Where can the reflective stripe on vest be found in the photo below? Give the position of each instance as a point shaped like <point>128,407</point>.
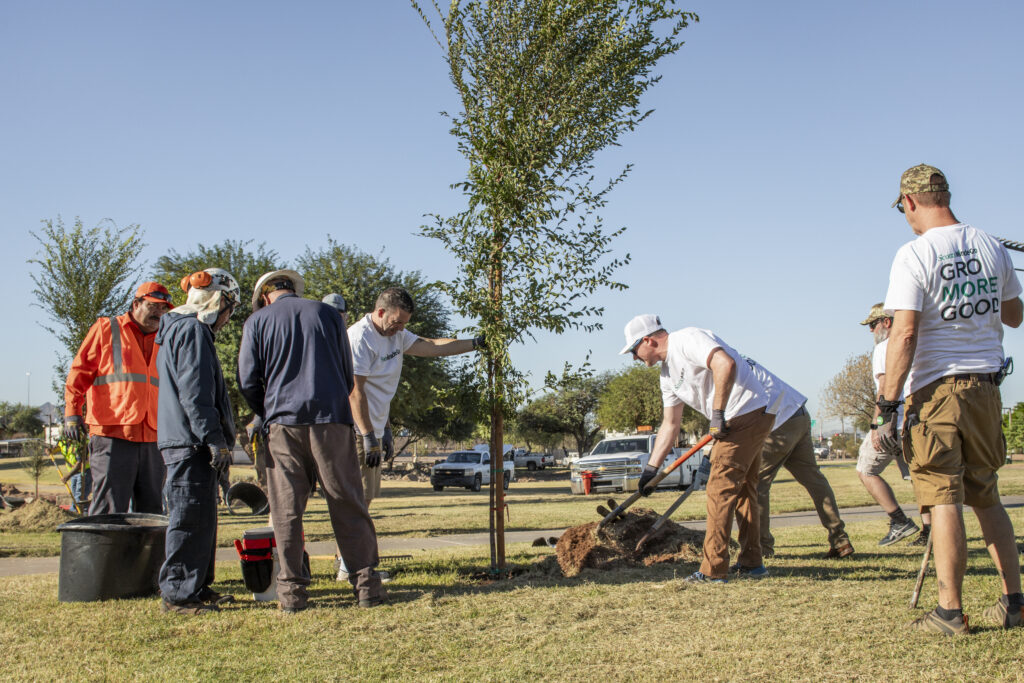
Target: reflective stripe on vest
<point>119,375</point>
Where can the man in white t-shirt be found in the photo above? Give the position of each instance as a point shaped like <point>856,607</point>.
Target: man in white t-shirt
<point>379,340</point>
<point>952,289</point>
<point>872,459</point>
<point>701,370</point>
<point>789,445</point>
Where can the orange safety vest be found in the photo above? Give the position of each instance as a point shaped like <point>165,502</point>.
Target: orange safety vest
<point>125,389</point>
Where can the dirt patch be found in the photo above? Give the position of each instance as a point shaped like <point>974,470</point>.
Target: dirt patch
<point>9,489</point>
<point>39,515</point>
<point>614,546</point>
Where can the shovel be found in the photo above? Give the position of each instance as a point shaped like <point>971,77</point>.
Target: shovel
<point>694,485</point>
<point>653,483</point>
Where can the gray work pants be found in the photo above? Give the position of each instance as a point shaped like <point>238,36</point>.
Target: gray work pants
<point>298,453</point>
<point>125,474</point>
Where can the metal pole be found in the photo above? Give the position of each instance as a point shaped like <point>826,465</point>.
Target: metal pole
<point>28,388</point>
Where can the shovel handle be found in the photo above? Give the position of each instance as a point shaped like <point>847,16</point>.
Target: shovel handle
<point>920,575</point>
<point>657,480</point>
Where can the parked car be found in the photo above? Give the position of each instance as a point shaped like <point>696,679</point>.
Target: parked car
<point>471,469</point>
<point>616,464</point>
<point>821,452</point>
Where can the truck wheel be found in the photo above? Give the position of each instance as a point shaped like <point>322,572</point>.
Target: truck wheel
<point>531,466</point>
<point>438,488</point>
<point>508,480</point>
<point>476,483</point>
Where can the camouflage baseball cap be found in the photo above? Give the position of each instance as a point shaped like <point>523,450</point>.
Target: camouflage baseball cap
<point>877,311</point>
<point>918,179</point>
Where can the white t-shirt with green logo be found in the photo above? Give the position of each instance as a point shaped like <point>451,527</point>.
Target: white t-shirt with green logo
<point>379,360</point>
<point>686,378</point>
<point>956,276</point>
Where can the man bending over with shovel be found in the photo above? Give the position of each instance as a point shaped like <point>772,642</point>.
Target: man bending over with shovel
<point>701,370</point>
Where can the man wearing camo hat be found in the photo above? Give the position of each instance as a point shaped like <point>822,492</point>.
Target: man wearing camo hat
<point>952,289</point>
<point>872,458</point>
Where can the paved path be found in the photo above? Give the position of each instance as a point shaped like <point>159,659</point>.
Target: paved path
<point>15,566</point>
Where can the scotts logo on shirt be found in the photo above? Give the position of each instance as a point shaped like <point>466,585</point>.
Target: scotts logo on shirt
<point>390,355</point>
<point>966,289</point>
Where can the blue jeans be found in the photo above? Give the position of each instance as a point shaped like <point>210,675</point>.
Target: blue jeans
<point>81,486</point>
<point>191,542</point>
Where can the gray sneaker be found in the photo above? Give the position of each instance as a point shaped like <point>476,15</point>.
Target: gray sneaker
<point>897,532</point>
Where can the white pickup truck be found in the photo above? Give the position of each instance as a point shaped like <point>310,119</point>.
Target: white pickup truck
<point>533,461</point>
<point>616,464</point>
<point>470,469</point>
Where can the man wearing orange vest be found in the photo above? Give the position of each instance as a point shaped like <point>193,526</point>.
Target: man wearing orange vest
<point>114,374</point>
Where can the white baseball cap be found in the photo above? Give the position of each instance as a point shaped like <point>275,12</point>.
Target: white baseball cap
<point>336,300</point>
<point>638,328</point>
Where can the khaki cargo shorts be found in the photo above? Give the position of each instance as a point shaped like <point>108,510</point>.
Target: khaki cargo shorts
<point>957,445</point>
<point>370,475</point>
<point>870,461</point>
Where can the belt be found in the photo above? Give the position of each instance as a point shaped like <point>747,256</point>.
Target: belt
<point>971,376</point>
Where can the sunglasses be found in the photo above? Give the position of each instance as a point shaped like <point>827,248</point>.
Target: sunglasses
<point>635,346</point>
<point>158,295</point>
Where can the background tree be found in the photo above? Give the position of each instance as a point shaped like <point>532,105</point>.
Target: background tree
<point>536,424</point>
<point>81,275</point>
<point>245,263</point>
<point>34,461</point>
<point>18,418</point>
<point>1013,429</point>
<point>436,398</point>
<point>574,400</point>
<point>632,398</point>
<point>851,393</point>
<point>544,85</point>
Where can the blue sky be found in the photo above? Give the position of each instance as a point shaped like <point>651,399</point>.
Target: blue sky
<point>758,205</point>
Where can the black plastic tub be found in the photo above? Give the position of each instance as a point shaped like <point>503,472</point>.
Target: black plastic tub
<point>106,557</point>
<point>244,495</point>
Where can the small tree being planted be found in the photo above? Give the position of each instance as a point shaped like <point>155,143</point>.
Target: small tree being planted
<point>543,85</point>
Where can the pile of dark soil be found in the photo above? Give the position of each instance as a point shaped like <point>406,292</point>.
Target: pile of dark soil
<point>39,515</point>
<point>614,545</point>
<point>9,490</point>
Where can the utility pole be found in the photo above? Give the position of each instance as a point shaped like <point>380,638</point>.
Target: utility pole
<point>28,389</point>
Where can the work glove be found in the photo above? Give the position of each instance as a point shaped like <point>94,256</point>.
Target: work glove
<point>479,341</point>
<point>371,447</point>
<point>719,427</point>
<point>72,429</point>
<point>220,456</point>
<point>888,435</point>
<point>649,473</point>
<point>255,427</point>
<point>387,443</point>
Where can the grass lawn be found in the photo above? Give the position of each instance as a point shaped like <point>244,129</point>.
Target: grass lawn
<point>813,619</point>
<point>414,509</point>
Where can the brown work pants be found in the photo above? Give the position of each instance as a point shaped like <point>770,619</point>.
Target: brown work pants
<point>298,453</point>
<point>790,446</point>
<point>732,489</point>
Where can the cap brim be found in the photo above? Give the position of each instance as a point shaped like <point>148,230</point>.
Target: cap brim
<point>628,347</point>
<point>158,301</point>
<point>893,205</point>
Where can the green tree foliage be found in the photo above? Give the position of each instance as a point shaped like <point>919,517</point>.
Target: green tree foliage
<point>544,85</point>
<point>536,424</point>
<point>632,398</point>
<point>245,263</point>
<point>851,393</point>
<point>437,397</point>
<point>1013,429</point>
<point>574,400</point>
<point>80,275</point>
<point>18,418</point>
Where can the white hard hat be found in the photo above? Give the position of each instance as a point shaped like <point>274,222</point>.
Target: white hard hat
<point>223,281</point>
<point>297,283</point>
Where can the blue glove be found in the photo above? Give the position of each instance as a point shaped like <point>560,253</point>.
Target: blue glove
<point>649,473</point>
<point>479,341</point>
<point>220,456</point>
<point>719,427</point>
<point>703,474</point>
<point>255,427</point>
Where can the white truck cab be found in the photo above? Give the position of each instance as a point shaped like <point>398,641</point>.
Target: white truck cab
<point>471,469</point>
<point>615,464</point>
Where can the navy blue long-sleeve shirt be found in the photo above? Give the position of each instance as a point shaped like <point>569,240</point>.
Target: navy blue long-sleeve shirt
<point>295,363</point>
<point>194,408</point>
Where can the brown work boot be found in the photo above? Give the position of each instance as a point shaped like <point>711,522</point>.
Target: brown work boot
<point>189,608</point>
<point>1001,614</point>
<point>933,623</point>
<point>839,552</point>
